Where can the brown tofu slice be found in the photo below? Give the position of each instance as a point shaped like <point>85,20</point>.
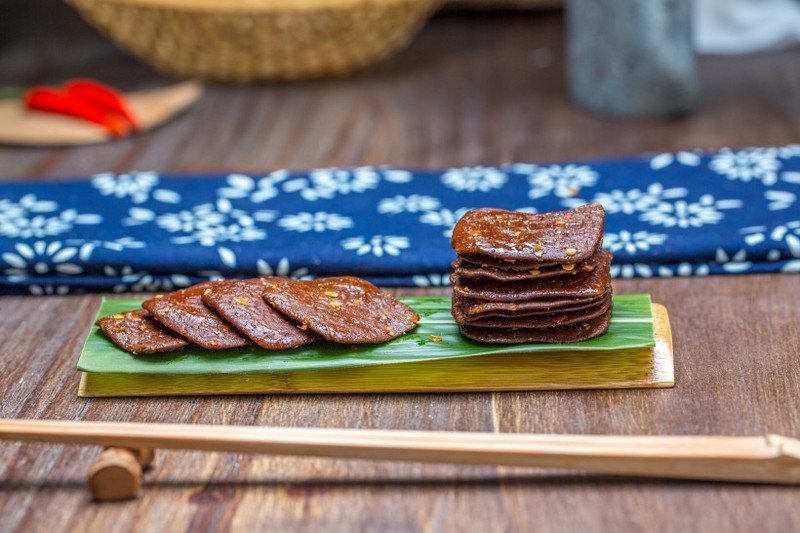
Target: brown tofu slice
<point>585,285</point>
<point>570,236</point>
<point>475,307</point>
<point>541,321</point>
<point>185,313</point>
<point>344,309</point>
<point>515,266</point>
<point>137,332</point>
<point>240,302</point>
<point>467,270</point>
<point>575,333</point>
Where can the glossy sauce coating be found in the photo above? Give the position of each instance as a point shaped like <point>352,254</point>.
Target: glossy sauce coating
<point>523,278</point>
<point>185,313</point>
<point>240,302</point>
<point>583,285</point>
<point>574,333</point>
<point>541,321</point>
<point>560,237</point>
<point>343,309</point>
<point>137,332</point>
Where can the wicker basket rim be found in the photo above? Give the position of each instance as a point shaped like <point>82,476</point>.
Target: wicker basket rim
<point>251,6</point>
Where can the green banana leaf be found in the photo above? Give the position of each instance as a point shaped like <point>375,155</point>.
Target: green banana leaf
<point>631,327</point>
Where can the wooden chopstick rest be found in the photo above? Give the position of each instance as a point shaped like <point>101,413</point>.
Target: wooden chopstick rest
<point>117,473</point>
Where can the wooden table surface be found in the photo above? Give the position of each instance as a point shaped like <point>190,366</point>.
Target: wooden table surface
<point>471,89</point>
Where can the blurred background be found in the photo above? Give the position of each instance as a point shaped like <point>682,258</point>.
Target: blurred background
<point>472,82</point>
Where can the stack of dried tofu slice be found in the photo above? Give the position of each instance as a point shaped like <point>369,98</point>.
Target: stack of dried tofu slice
<point>522,278</point>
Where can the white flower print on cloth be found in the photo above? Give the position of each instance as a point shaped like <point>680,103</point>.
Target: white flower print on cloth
<point>632,242</point>
<point>210,224</point>
<point>394,175</point>
<point>431,280</point>
<point>138,186</point>
<point>791,177</point>
<point>282,269</point>
<point>474,179</point>
<point>779,199</point>
<point>31,217</point>
<point>413,203</point>
<point>683,214</point>
<point>689,159</point>
<point>131,281</point>
<point>563,181</point>
<point>683,270</point>
<point>326,183</point>
<point>86,248</point>
<point>789,151</point>
<point>631,270</point>
<point>736,263</point>
<point>257,191</point>
<point>760,164</point>
<point>377,245</point>
<point>787,234</point>
<point>633,200</point>
<point>318,222</point>
<point>40,258</point>
<point>445,218</point>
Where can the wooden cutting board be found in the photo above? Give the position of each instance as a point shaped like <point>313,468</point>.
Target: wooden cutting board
<point>23,127</point>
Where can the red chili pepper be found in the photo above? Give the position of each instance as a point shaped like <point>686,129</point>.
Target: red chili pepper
<point>102,96</point>
<point>53,101</point>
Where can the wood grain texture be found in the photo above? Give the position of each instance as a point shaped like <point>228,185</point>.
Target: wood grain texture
<point>471,89</point>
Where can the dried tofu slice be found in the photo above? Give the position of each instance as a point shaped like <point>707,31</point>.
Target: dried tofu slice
<point>586,285</point>
<point>185,313</point>
<point>138,332</point>
<point>574,333</point>
<point>343,309</point>
<point>240,302</point>
<point>570,236</point>
<point>475,307</point>
<point>541,321</point>
<point>466,269</point>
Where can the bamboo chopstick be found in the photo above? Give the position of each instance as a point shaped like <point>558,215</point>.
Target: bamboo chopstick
<point>764,459</point>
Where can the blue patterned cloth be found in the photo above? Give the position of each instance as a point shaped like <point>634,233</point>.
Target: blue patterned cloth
<point>733,211</point>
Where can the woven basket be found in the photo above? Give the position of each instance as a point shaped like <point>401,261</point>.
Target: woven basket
<point>250,40</point>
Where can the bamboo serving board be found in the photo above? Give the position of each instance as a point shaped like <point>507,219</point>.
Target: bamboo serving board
<point>643,367</point>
